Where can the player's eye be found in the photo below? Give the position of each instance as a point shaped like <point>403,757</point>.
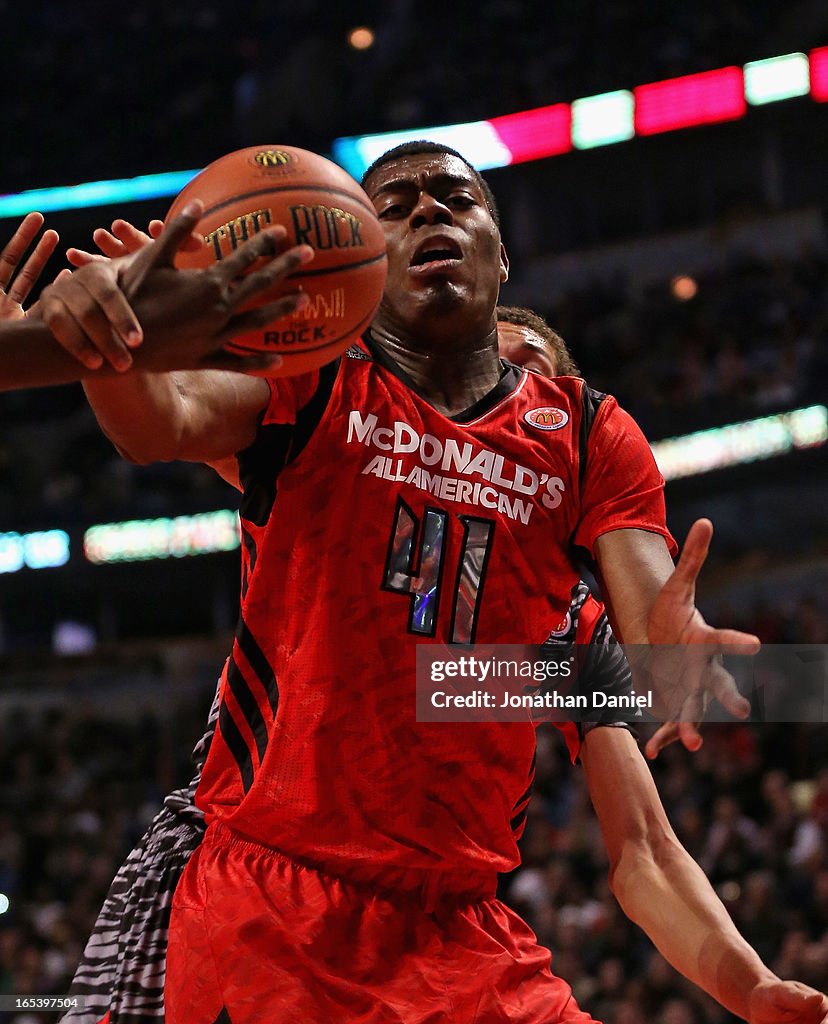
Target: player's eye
<point>391,211</point>
<point>460,200</point>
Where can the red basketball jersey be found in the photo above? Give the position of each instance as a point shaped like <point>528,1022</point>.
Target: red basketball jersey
<point>372,523</point>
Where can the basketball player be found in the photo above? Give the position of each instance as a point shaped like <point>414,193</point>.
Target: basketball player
<point>121,976</point>
<point>526,339</point>
<point>349,865</point>
<point>181,318</point>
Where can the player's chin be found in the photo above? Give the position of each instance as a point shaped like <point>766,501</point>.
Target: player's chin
<point>443,287</point>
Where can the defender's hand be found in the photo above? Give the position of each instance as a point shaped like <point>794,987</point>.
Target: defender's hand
<point>694,674</point>
<point>17,281</point>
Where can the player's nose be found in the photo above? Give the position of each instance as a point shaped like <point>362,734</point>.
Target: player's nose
<point>429,210</point>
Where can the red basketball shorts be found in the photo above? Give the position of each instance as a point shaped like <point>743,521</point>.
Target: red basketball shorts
<point>256,938</point>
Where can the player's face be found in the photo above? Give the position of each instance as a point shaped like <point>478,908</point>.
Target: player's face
<point>521,346</point>
<point>444,248</point>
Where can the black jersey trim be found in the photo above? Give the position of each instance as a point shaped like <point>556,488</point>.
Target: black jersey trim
<point>223,1017</point>
<point>590,404</point>
<point>309,415</point>
<point>519,819</point>
<point>248,705</point>
<point>276,446</point>
<point>252,554</point>
<point>591,401</point>
<point>259,469</point>
<point>525,794</point>
<point>510,377</point>
<point>258,662</point>
<point>236,745</point>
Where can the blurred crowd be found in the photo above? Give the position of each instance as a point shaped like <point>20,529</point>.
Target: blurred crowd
<point>78,786</point>
<point>176,85</point>
<point>736,343</point>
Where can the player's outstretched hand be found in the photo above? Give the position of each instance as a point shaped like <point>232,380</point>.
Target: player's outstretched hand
<point>17,281</point>
<point>188,315</point>
<point>787,1002</point>
<point>79,327</point>
<point>108,305</point>
<point>692,672</point>
<point>122,239</point>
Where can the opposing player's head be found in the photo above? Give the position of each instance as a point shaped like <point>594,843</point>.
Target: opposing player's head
<point>526,339</point>
<point>446,261</point>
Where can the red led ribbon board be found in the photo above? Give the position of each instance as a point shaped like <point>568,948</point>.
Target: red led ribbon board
<point>533,134</point>
<point>706,98</point>
<point>819,74</point>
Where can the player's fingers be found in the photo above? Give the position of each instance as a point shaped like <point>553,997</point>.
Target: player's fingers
<point>734,641</point>
<point>109,245</point>
<point>163,249</point>
<point>801,1000</point>
<point>35,311</point>
<point>690,736</point>
<point>79,296</point>
<point>694,552</point>
<point>14,250</point>
<point>722,686</point>
<point>68,332</point>
<point>191,244</point>
<point>266,277</point>
<point>94,321</point>
<point>663,736</point>
<point>253,319</point>
<point>80,257</point>
<point>129,236</point>
<point>108,299</point>
<point>31,270</point>
<point>177,232</point>
<point>266,244</point>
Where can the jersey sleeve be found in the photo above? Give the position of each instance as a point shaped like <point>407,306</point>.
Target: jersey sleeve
<point>293,412</point>
<point>622,488</point>
<point>288,395</point>
<point>602,667</point>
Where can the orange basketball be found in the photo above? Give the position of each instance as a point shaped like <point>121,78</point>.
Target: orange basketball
<point>319,204</point>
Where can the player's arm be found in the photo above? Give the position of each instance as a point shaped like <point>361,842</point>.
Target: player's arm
<point>196,415</point>
<point>189,415</point>
<point>662,889</point>
<point>186,316</point>
<point>648,599</point>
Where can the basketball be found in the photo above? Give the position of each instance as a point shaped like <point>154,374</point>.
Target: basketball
<point>320,205</point>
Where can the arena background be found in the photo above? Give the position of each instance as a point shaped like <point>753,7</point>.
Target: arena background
<point>688,270</point>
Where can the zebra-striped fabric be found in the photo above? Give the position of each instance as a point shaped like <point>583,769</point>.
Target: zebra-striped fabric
<point>123,967</point>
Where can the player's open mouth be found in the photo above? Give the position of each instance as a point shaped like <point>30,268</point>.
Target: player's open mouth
<point>436,254</point>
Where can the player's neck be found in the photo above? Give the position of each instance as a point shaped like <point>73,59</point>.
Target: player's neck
<point>452,376</point>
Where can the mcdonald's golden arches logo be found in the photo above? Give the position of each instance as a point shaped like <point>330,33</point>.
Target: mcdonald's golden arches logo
<point>547,418</point>
<point>272,158</point>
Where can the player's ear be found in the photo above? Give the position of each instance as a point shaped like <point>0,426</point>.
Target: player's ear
<point>504,264</point>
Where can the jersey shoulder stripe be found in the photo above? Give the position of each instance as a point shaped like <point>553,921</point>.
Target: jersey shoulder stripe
<point>276,446</point>
<point>591,401</point>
